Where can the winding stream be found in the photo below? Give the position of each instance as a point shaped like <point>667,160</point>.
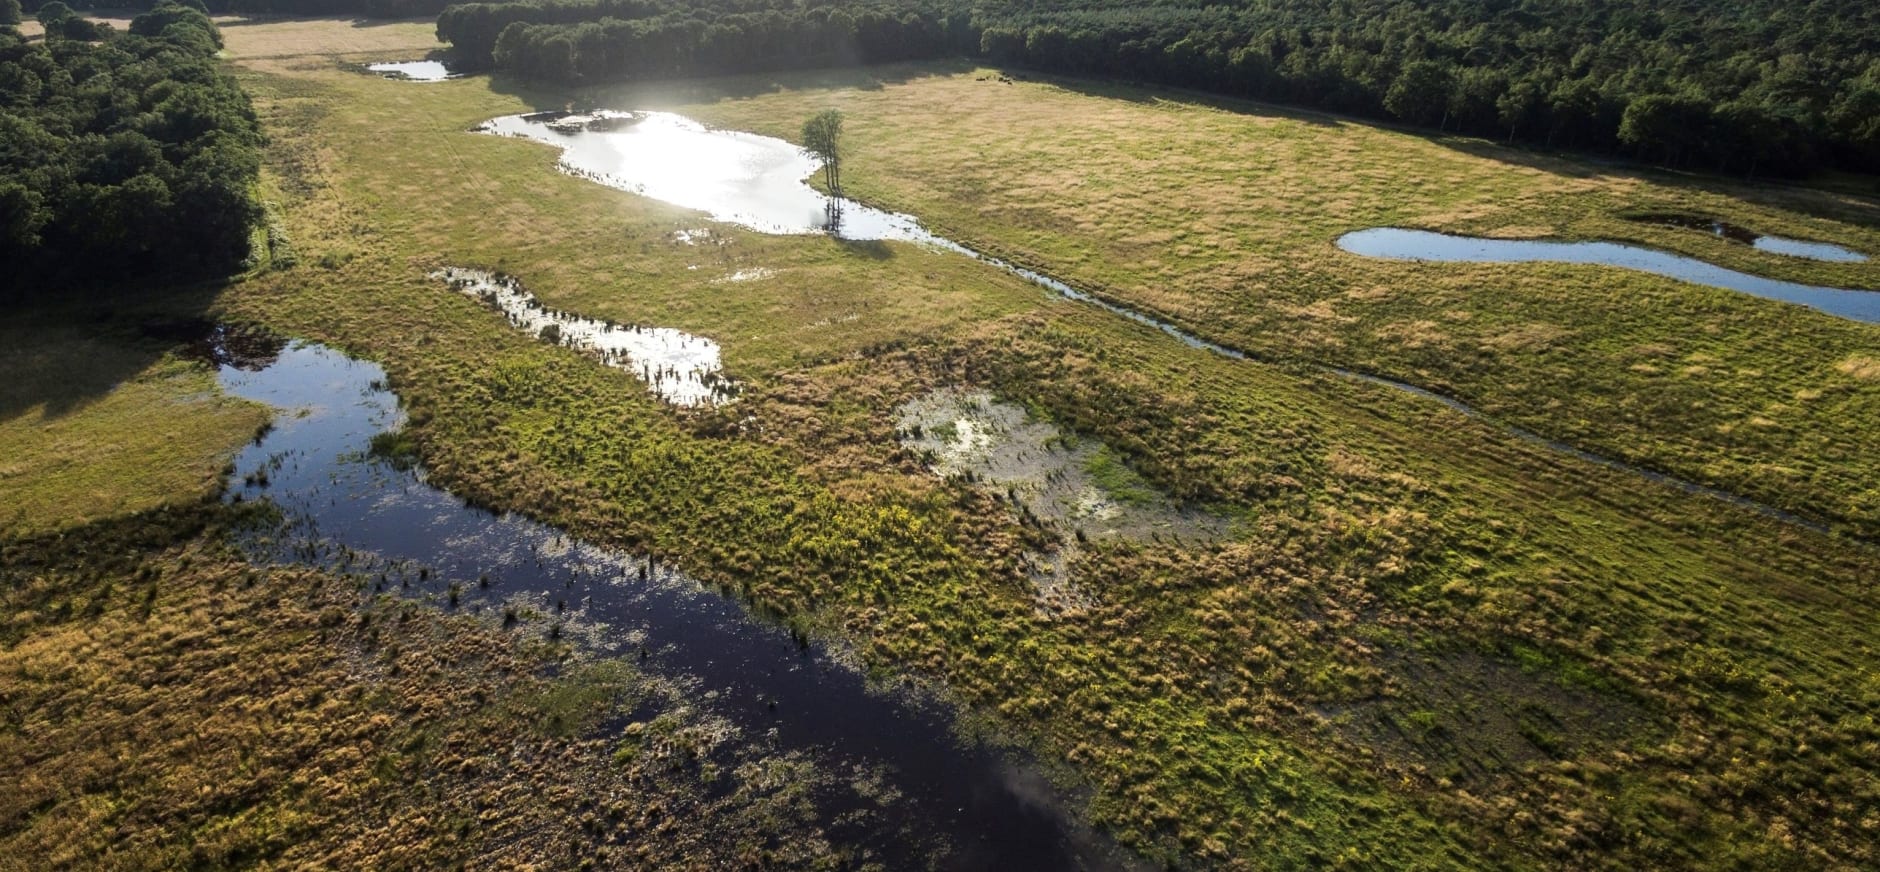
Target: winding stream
<point>1401,244</point>
<point>961,806</point>
<point>1824,251</point>
<point>758,182</point>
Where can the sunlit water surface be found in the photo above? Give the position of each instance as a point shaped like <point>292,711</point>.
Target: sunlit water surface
<point>414,71</point>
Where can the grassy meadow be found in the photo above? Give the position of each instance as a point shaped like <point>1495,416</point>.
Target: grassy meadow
<point>99,418</point>
<point>1222,217</point>
<point>1426,643</point>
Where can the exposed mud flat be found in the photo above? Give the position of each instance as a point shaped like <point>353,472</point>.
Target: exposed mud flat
<point>1057,477</point>
<point>680,368</point>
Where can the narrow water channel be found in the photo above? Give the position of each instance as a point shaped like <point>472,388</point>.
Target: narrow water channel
<point>1400,244</point>
<point>963,806</point>
<point>757,182</point>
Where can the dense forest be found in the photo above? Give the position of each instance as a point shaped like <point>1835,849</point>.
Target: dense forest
<point>122,154</point>
<point>1755,86</point>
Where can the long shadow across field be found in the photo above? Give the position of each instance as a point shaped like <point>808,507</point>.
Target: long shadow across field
<point>59,356</point>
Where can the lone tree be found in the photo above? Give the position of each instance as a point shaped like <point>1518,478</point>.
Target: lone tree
<point>52,13</point>
<point>821,135</point>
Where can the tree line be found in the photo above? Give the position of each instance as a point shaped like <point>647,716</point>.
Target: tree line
<point>1751,86</point>
<point>123,153</point>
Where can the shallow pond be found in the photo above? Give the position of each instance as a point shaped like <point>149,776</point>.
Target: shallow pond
<point>679,367</point>
<point>1401,244</point>
<point>738,178</point>
<point>948,804</point>
<point>414,71</point>
<point>1078,484</point>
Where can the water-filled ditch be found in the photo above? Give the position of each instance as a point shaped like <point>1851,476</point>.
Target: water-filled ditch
<point>953,804</point>
<point>1398,243</point>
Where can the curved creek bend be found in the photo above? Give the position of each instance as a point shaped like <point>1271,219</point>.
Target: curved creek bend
<point>757,182</point>
<point>904,788</point>
<point>1400,244</point>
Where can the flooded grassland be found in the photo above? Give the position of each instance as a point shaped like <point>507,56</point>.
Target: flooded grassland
<point>1287,691</point>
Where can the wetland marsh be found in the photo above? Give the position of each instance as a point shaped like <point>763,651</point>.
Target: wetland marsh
<point>920,798</point>
<point>1147,529</point>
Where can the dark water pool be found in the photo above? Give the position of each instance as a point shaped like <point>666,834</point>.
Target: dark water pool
<point>963,806</point>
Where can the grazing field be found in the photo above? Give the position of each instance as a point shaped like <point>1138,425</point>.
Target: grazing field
<point>1421,641</point>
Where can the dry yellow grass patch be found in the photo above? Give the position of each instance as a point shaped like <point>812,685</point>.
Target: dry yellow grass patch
<point>1527,337</point>
<point>257,38</point>
<point>1860,366</point>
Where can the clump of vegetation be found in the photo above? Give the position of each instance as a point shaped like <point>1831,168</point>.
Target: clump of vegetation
<point>135,154</point>
<point>396,447</point>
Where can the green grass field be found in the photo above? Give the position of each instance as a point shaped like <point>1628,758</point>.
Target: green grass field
<point>1429,644</point>
<point>1221,216</point>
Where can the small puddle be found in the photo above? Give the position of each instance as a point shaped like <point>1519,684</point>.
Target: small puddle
<point>1057,476</point>
<point>680,368</point>
<point>757,182</point>
<point>1772,244</point>
<point>1401,244</point>
<point>920,797</point>
<point>414,71</point>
